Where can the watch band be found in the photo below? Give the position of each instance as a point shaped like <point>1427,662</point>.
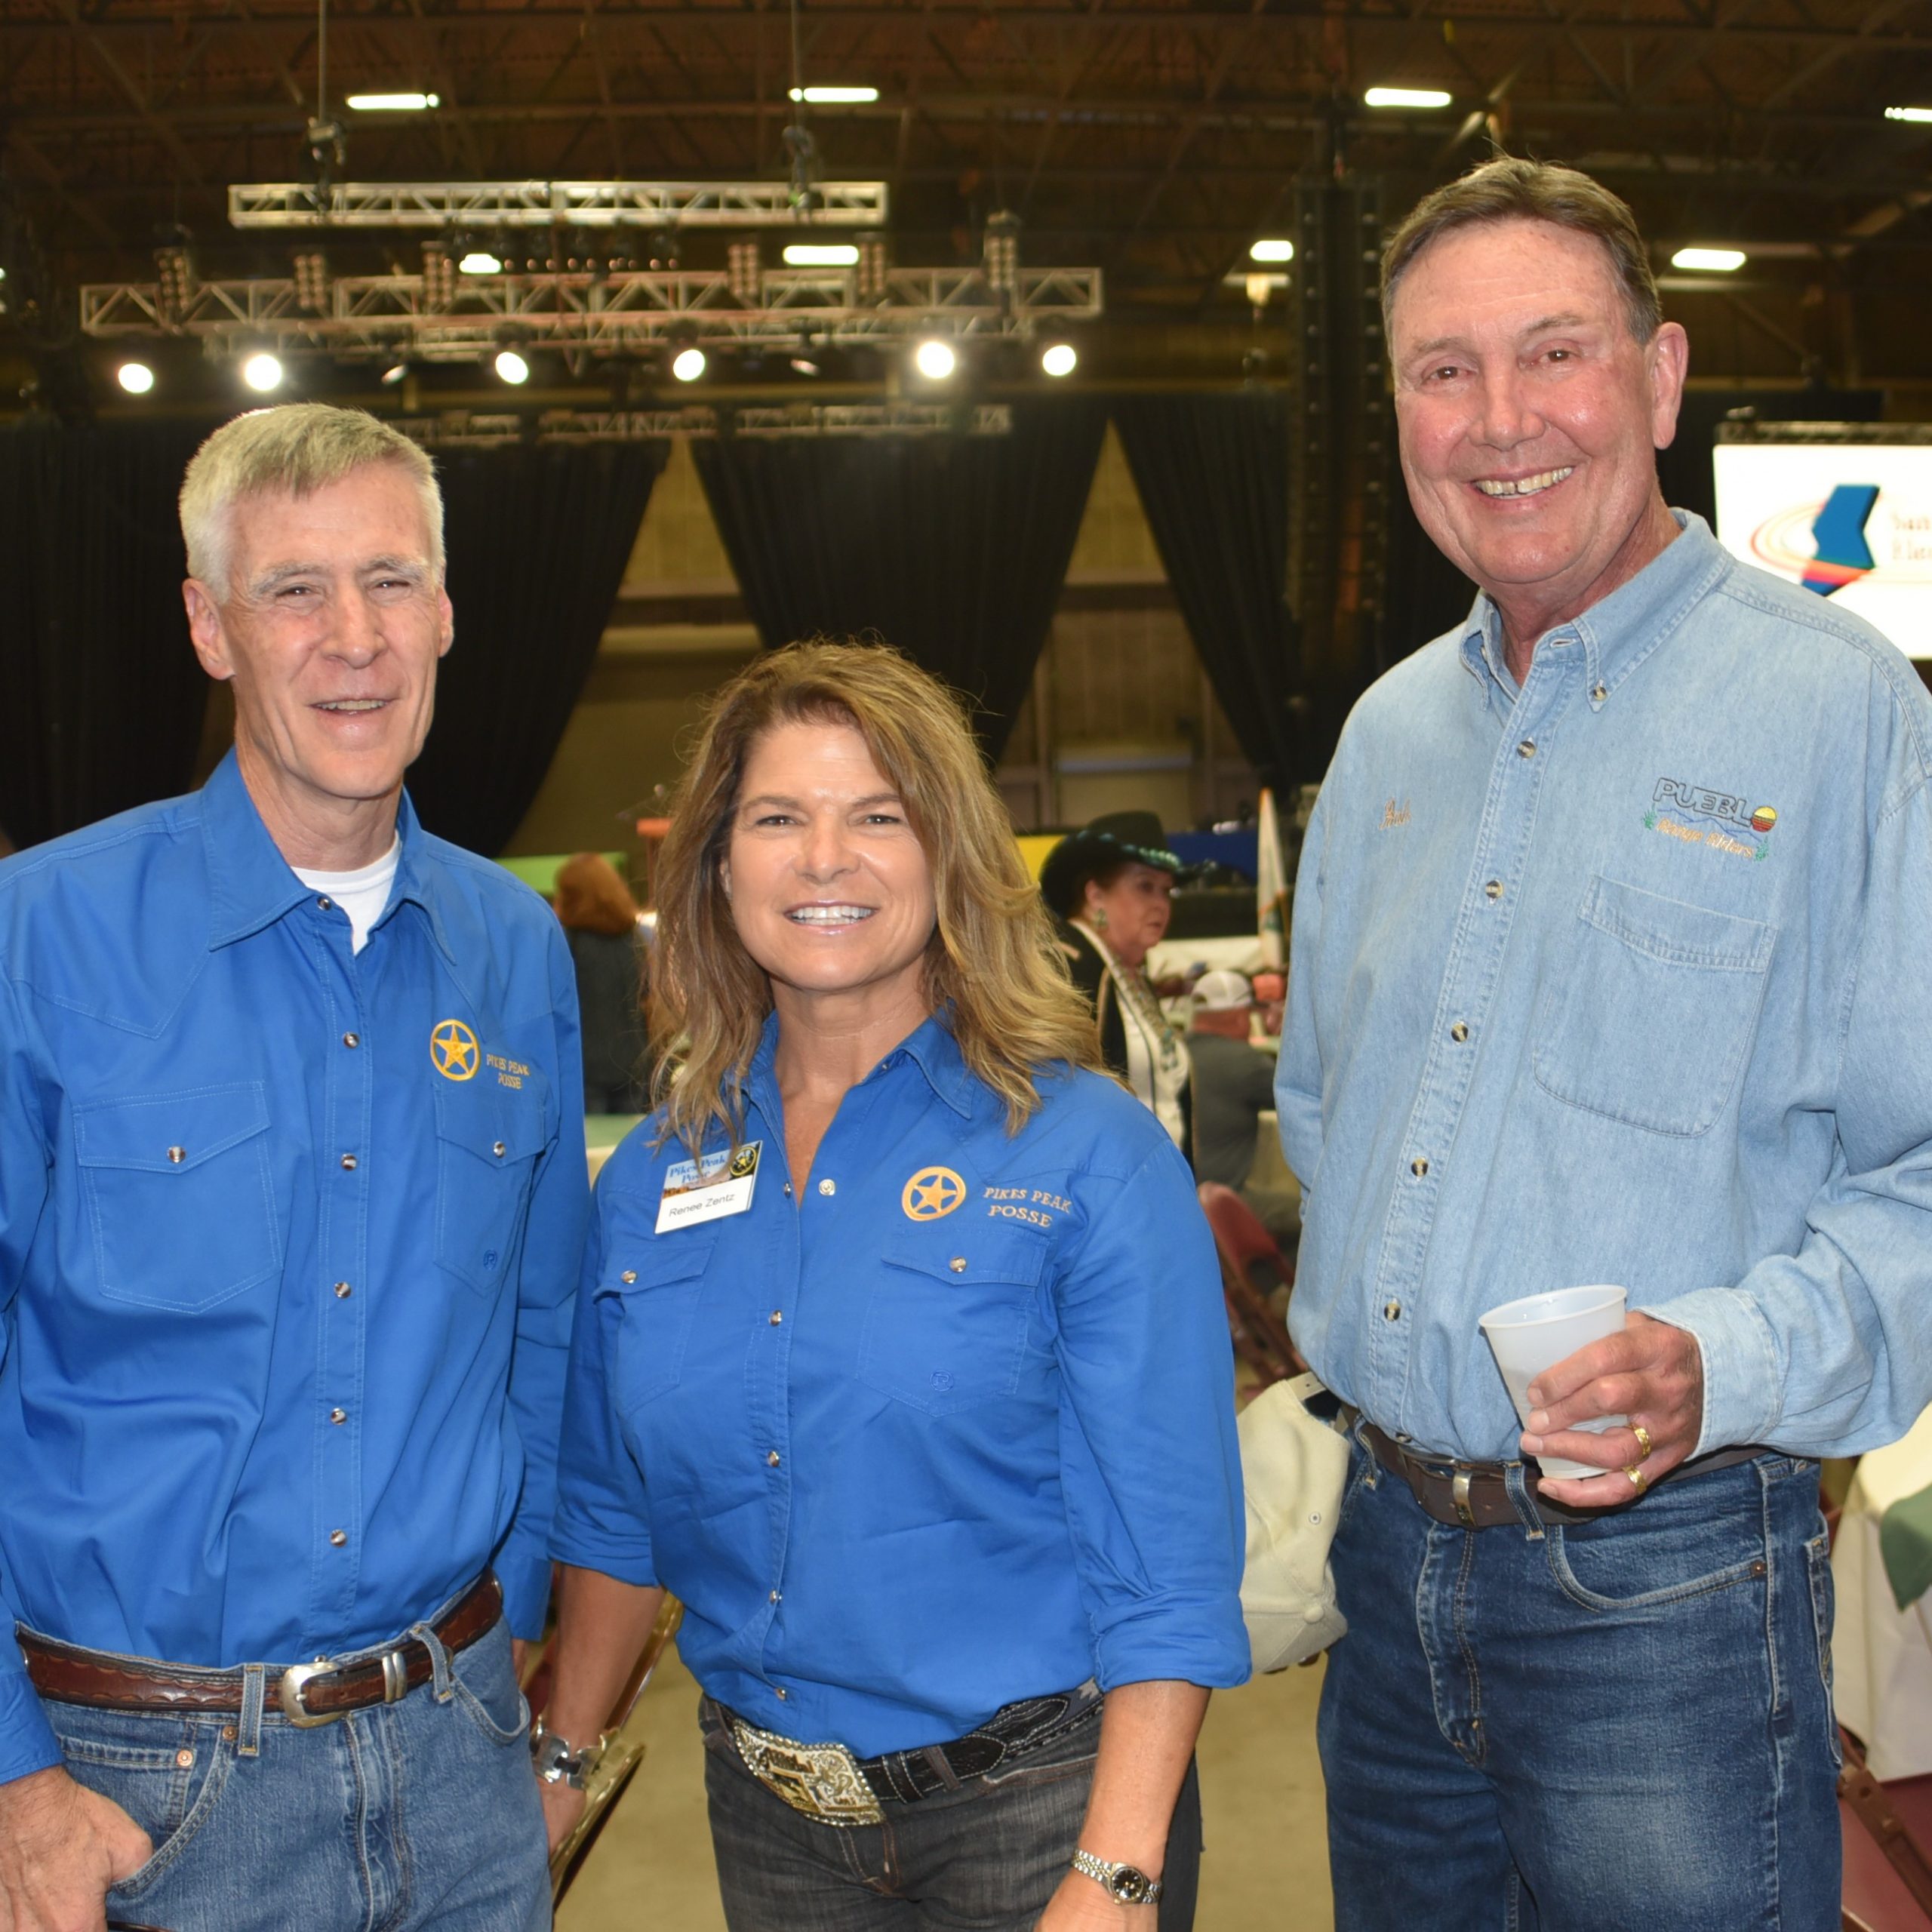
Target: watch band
<point>1127,1883</point>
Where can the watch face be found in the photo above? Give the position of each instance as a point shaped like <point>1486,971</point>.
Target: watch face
<point>1129,1886</point>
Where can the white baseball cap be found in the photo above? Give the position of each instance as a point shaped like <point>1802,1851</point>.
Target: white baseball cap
<point>1221,991</point>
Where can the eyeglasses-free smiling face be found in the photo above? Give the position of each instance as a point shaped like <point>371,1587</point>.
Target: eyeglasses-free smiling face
<point>1530,416</point>
<point>831,890</point>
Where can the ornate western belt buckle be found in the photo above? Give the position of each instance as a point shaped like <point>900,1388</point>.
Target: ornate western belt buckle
<point>823,1781</point>
<point>290,1685</point>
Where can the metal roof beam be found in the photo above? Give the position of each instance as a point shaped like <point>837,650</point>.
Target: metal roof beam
<point>494,205</point>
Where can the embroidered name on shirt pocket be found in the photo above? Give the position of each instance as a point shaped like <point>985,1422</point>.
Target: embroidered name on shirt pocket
<point>488,1138</point>
<point>180,1195</point>
<point>945,1337</point>
<point>657,1284</point>
<point>1652,1007</point>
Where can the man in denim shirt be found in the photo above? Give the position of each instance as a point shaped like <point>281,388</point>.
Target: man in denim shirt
<point>292,1199</point>
<point>1610,965</point>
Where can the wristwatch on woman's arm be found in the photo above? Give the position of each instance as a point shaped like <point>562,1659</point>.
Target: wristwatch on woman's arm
<point>1127,1883</point>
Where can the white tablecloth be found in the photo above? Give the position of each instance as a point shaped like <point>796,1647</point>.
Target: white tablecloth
<point>1882,1656</point>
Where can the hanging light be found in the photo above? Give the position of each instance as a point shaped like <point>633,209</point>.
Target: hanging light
<point>392,103</point>
<point>480,261</point>
<point>511,367</point>
<point>1059,358</point>
<point>935,360</point>
<point>262,372</point>
<point>1406,97</point>
<point>1272,248</point>
<point>137,378</point>
<point>835,96</point>
<point>688,364</point>
<point>1716,261</point>
<point>821,254</point>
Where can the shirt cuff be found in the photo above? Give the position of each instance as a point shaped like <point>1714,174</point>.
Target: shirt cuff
<point>26,1739</point>
<point>1741,1378</point>
<point>585,1547</point>
<point>1190,1644</point>
<point>524,1574</point>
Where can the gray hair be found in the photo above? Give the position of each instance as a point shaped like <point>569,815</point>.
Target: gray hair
<point>291,450</point>
<point>1514,189</point>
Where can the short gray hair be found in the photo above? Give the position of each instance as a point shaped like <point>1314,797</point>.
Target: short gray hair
<point>1513,189</point>
<point>291,450</point>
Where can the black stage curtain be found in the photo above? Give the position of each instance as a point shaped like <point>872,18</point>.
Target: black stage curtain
<point>1213,475</point>
<point>537,538</point>
<point>104,700</point>
<point>952,547</point>
<point>1423,594</point>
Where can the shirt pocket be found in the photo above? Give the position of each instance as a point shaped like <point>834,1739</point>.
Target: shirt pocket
<point>1655,1005</point>
<point>657,1286</point>
<point>487,1143</point>
<point>947,1331</point>
<point>180,1195</point>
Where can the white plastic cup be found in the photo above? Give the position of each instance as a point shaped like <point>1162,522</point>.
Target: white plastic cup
<point>1529,1336</point>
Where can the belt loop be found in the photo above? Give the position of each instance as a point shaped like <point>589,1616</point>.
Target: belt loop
<point>254,1694</point>
<point>439,1661</point>
<point>1516,1481</point>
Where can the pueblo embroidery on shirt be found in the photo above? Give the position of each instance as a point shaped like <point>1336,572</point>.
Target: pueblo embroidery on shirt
<point>720,1183</point>
<point>1719,821</point>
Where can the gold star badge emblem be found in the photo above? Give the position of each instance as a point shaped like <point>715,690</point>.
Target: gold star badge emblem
<point>453,1050</point>
<point>931,1192</point>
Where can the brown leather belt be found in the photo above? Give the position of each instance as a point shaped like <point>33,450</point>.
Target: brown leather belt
<point>309,1693</point>
<point>1476,1496</point>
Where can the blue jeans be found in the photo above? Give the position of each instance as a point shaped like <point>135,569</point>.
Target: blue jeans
<point>984,1858</point>
<point>1590,1728</point>
<point>420,1814</point>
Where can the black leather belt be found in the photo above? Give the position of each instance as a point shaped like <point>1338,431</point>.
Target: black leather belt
<point>1476,1496</point>
<point>826,1781</point>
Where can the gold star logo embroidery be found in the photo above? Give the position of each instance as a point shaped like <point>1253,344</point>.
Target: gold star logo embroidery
<point>453,1050</point>
<point>931,1192</point>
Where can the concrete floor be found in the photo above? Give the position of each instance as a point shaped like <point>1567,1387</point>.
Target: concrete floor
<point>1266,1864</point>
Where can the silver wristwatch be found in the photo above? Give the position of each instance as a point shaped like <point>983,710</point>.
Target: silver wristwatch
<point>555,1760</point>
<point>1126,1883</point>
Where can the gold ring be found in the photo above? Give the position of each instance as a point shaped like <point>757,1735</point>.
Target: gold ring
<point>1639,1480</point>
<point>1644,1446</point>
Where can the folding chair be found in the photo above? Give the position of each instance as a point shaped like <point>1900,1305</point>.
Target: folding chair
<point>1252,1267</point>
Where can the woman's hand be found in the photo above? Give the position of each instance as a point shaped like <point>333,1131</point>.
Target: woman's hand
<point>1080,1906</point>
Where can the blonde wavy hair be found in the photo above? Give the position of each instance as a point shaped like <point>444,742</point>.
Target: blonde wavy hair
<point>992,966</point>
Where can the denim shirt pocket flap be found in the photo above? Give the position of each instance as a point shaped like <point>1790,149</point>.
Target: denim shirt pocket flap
<point>488,1144</point>
<point>179,1194</point>
<point>946,1329</point>
<point>656,1286</point>
<point>1650,1007</point>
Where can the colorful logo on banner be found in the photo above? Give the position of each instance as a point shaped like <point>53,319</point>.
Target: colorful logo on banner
<point>1839,554</point>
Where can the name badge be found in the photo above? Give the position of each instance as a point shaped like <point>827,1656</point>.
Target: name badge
<point>710,1189</point>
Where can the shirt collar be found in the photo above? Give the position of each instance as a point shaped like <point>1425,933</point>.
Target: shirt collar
<point>930,1047</point>
<point>251,885</point>
<point>1624,628</point>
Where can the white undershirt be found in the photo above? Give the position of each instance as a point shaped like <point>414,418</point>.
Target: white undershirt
<point>363,895</point>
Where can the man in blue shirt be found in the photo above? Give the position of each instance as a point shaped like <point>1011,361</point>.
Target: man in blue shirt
<point>1609,966</point>
<point>292,1200</point>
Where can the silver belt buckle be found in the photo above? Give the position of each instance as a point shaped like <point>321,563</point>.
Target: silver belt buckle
<point>823,1781</point>
<point>292,1682</point>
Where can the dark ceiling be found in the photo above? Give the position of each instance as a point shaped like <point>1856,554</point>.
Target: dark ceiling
<point>1156,141</point>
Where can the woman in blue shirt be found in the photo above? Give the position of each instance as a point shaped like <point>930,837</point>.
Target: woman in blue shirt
<point>899,1356</point>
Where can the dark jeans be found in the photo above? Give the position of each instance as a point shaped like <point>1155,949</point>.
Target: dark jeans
<point>1601,1727</point>
<point>985,1858</point>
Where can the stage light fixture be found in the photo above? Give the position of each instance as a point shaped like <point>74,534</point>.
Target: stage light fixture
<point>935,360</point>
<point>393,104</point>
<point>1059,358</point>
<point>137,378</point>
<point>511,367</point>
<point>480,261</point>
<point>821,254</point>
<point>1272,248</point>
<point>1909,114</point>
<point>688,364</point>
<point>262,372</point>
<point>835,96</point>
<point>1715,261</point>
<point>1406,97</point>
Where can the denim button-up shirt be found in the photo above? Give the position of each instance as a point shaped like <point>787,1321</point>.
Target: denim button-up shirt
<point>1625,976</point>
<point>289,1244</point>
<point>953,1427</point>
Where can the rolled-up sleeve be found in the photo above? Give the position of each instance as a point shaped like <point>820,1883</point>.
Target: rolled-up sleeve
<point>602,1518</point>
<point>26,1740</point>
<point>1149,1462</point>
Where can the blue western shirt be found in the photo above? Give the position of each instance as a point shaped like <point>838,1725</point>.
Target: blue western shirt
<point>956,1428</point>
<point>1625,976</point>
<point>289,1242</point>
